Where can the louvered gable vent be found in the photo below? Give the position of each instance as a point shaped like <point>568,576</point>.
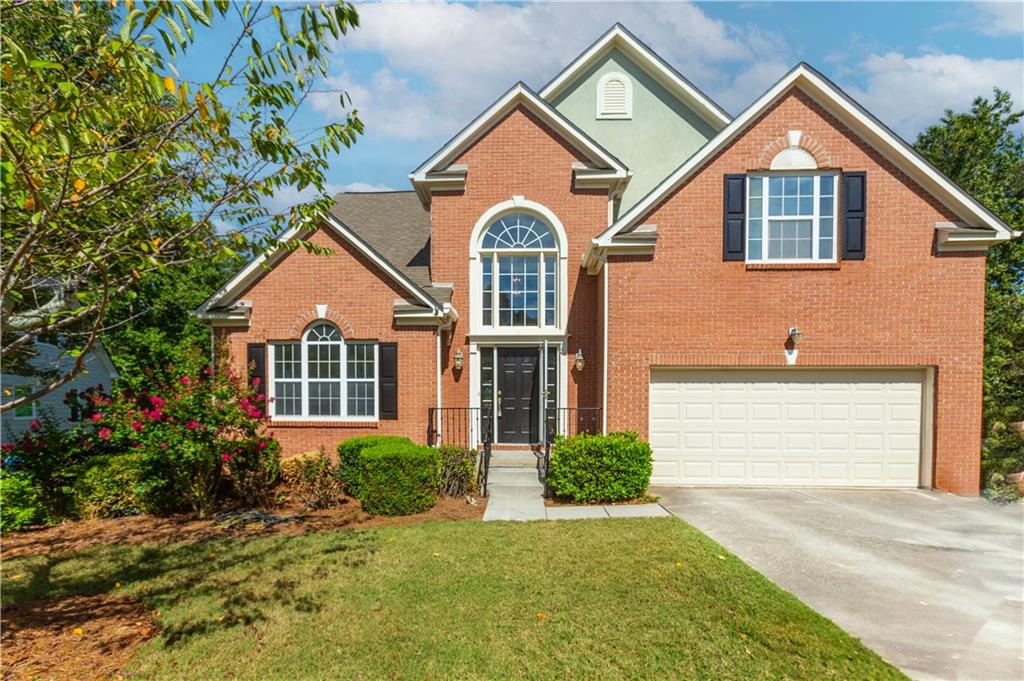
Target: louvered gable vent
<point>614,96</point>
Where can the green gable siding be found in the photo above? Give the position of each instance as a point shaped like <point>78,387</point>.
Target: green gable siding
<point>662,133</point>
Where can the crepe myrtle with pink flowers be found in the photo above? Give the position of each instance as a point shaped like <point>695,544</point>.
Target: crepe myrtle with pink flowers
<point>192,433</point>
<point>191,440</point>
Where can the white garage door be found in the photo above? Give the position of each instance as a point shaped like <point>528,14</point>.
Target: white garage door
<point>850,428</point>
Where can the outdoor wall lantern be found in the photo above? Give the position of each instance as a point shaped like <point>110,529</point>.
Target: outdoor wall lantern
<point>459,359</point>
<point>795,336</point>
<point>580,360</point>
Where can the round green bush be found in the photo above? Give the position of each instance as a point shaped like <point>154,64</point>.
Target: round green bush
<point>398,478</point>
<point>108,487</point>
<point>348,457</point>
<point>594,468</point>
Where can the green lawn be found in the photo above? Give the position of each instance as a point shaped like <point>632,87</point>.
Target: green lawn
<point>595,599</point>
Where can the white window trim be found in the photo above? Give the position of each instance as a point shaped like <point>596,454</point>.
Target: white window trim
<point>627,84</point>
<point>494,255</point>
<point>815,218</point>
<point>517,204</point>
<point>304,383</point>
<point>27,389</point>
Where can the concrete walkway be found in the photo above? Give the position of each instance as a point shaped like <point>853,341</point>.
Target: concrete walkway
<point>514,492</point>
<point>932,582</point>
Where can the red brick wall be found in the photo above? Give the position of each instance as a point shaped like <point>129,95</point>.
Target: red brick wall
<point>901,306</point>
<point>520,156</point>
<point>359,297</point>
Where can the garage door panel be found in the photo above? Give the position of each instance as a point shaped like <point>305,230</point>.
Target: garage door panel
<point>772,427</point>
<point>732,442</point>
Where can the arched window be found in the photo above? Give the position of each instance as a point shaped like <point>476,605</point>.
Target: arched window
<point>614,96</point>
<point>519,267</point>
<point>323,376</point>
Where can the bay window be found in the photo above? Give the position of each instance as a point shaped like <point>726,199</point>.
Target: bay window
<point>324,377</point>
<point>791,218</point>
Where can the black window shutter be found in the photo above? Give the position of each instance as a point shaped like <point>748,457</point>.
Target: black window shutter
<point>387,378</point>
<point>734,232</point>
<point>256,363</point>
<point>854,214</point>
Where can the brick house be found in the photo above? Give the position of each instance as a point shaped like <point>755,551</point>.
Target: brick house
<point>788,297</point>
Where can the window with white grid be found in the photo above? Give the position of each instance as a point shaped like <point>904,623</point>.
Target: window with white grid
<point>323,377</point>
<point>519,266</point>
<point>791,218</point>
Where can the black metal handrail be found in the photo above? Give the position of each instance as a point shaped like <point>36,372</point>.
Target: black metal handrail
<point>459,426</point>
<point>567,421</point>
<point>467,427</point>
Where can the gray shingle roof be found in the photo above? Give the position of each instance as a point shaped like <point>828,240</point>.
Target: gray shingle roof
<point>396,225</point>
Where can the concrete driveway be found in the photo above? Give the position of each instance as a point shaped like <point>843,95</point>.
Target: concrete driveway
<point>932,582</point>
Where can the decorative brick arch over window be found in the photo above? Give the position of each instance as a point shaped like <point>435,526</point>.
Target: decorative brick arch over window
<point>800,143</point>
<point>320,312</point>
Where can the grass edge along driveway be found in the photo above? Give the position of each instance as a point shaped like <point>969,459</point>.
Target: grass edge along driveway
<point>609,598</point>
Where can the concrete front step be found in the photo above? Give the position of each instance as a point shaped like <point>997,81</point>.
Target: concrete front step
<point>513,460</point>
<point>512,475</point>
<point>516,489</point>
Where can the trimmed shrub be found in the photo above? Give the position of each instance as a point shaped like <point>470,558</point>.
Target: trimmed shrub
<point>348,457</point>
<point>255,467</point>
<point>458,471</point>
<point>107,487</point>
<point>20,503</point>
<point>312,478</point>
<point>398,478</point>
<point>594,468</point>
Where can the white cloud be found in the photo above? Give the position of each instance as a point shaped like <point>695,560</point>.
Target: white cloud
<point>910,93</point>
<point>444,63</point>
<point>436,66</point>
<point>1000,18</point>
<point>387,105</point>
<point>290,196</point>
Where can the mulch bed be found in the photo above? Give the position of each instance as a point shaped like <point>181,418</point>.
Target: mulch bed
<point>145,529</point>
<point>73,637</point>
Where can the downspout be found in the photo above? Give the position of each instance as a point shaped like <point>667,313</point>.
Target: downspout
<point>604,352</point>
<point>437,425</point>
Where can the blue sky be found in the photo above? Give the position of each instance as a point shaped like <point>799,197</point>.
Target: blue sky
<point>418,72</point>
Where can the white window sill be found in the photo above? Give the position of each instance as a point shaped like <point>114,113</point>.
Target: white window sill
<point>322,421</point>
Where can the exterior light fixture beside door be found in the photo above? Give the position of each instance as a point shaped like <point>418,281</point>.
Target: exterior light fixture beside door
<point>459,359</point>
<point>581,361</point>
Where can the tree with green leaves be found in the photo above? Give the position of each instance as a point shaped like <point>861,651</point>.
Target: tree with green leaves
<point>115,169</point>
<point>983,151</point>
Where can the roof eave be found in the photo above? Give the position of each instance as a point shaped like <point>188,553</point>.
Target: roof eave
<point>438,173</point>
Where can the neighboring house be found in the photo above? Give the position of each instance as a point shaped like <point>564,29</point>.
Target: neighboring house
<point>788,297</point>
<point>99,371</point>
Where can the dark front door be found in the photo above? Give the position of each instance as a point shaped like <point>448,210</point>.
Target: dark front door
<point>518,394</point>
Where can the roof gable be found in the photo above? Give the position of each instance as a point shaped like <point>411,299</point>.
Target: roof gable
<point>438,171</point>
<point>229,292</point>
<point>618,37</point>
<point>849,112</point>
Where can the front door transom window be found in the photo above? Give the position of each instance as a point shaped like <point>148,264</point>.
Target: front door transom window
<point>519,264</point>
